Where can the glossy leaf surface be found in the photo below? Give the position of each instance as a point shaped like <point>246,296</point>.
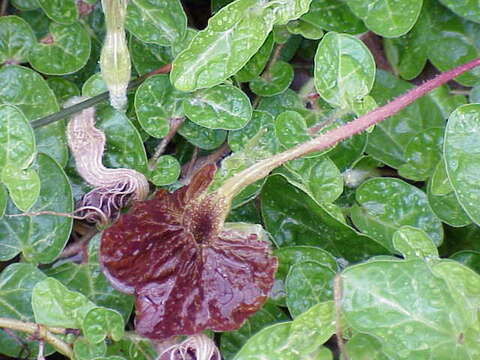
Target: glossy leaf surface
<point>388,18</point>
<point>294,218</point>
<point>221,107</point>
<point>16,39</point>
<point>386,204</point>
<point>273,82</point>
<point>161,259</point>
<point>167,170</point>
<point>99,323</point>
<point>67,52</point>
<point>344,69</point>
<point>466,8</point>
<point>461,157</point>
<point>60,11</point>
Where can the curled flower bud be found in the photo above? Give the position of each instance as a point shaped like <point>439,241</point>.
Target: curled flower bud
<point>188,270</point>
<point>115,58</point>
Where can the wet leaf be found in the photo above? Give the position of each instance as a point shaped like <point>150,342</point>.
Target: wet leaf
<point>333,15</point>
<point>344,69</point>
<point>273,82</point>
<point>87,279</point>
<point>99,323</point>
<point>167,170</point>
<point>16,284</point>
<point>309,30</point>
<point>147,57</point>
<point>221,107</point>
<point>388,140</point>
<point>365,347</point>
<point>27,90</point>
<point>422,154</point>
<point>23,185</point>
<point>156,102</point>
<point>461,157</point>
<point>294,218</point>
<point>168,262</point>
<point>54,305</point>
<point>40,238</point>
<point>156,21</point>
<point>262,126</point>
<point>84,350</point>
<point>414,243</point>
<point>3,200</point>
<point>202,137</point>
<point>256,64</point>
<point>386,204</point>
<point>16,40</point>
<point>60,11</point>
<point>388,18</point>
<point>466,8</point>
<point>67,52</point>
<point>468,258</point>
<point>307,284</point>
<point>232,341</point>
<point>63,88</point>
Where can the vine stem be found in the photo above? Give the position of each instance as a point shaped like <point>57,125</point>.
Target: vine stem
<point>175,123</point>
<point>44,333</point>
<point>261,169</point>
<point>66,112</point>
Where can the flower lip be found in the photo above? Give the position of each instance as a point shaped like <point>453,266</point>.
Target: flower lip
<point>189,271</point>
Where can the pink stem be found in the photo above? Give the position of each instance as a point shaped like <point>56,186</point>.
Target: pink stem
<point>261,169</point>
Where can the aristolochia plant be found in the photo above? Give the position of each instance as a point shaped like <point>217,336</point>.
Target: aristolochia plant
<point>268,187</point>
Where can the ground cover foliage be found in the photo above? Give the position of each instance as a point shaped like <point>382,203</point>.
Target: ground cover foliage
<point>369,249</point>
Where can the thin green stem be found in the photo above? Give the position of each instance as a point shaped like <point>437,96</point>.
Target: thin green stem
<point>42,332</point>
<point>66,112</point>
<point>261,169</point>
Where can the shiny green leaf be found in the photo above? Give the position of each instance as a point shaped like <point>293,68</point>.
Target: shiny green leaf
<point>148,57</point>
<point>17,141</point>
<point>344,69</point>
<point>389,139</point>
<point>318,177</point>
<point>27,90</point>
<point>232,341</point>
<point>133,348</point>
<point>386,204</point>
<point>124,145</point>
<point>202,137</point>
<point>167,170</point>
<point>221,107</point>
<point>63,88</point>
<point>156,21</point>
<point>461,152</point>
<point>290,255</point>
<point>440,185</point>
<point>294,218</point>
<point>364,347</point>
<point>54,305</point>
<point>422,154</point>
<point>23,185</point>
<point>468,258</point>
<point>414,243</point>
<point>307,284</point>
<point>309,30</point>
<point>232,37</point>
<point>388,18</point>
<point>16,284</point>
<point>275,81</point>
<point>3,200</point>
<point>88,279</point>
<point>156,102</point>
<point>67,51</point>
<point>16,39</point>
<point>469,9</point>
<point>60,11</point>
<point>26,4</point>
<point>262,126</point>
<point>409,306</point>
<point>447,207</point>
<point>101,322</point>
<point>40,238</point>
<point>84,350</point>
<point>256,64</point>
<point>333,15</point>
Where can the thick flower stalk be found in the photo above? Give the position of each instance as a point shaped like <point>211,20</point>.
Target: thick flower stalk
<point>188,271</point>
<point>115,58</point>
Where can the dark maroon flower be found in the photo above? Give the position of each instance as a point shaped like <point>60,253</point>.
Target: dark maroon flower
<point>188,270</point>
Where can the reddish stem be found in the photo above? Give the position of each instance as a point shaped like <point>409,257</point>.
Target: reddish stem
<point>261,169</point>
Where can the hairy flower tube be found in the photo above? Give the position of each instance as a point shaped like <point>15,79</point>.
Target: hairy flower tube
<point>187,269</point>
